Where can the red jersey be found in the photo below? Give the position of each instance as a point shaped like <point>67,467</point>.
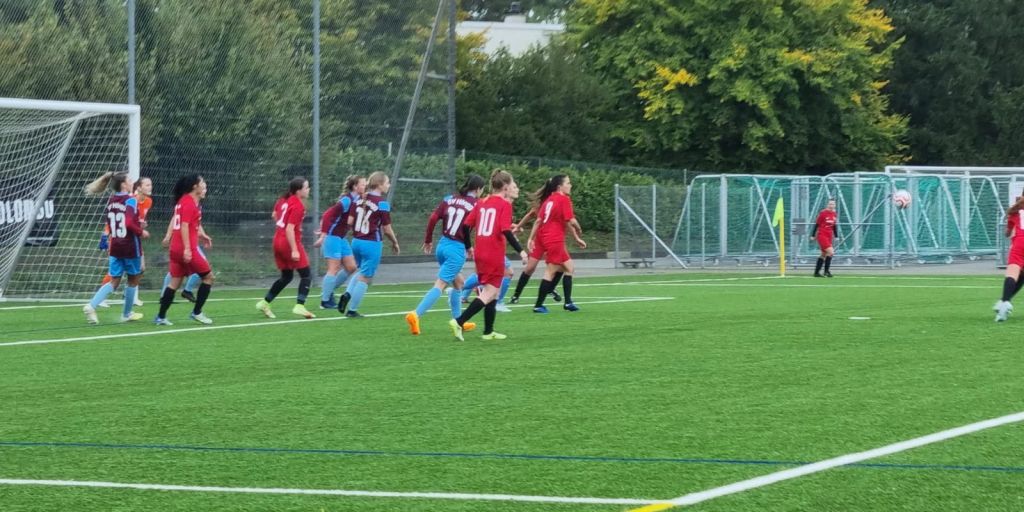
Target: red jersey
<point>826,224</point>
<point>187,210</point>
<point>1013,225</point>
<point>552,215</point>
<point>370,215</point>
<point>453,210</point>
<point>288,210</point>
<point>335,220</point>
<point>491,217</point>
<point>123,225</point>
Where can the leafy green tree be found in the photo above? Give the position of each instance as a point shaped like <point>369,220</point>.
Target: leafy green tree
<point>734,85</point>
<point>544,103</point>
<point>960,78</point>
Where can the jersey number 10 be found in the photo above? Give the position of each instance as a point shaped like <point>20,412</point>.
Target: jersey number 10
<point>486,225</point>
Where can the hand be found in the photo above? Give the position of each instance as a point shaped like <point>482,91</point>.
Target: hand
<point>525,257</point>
<point>205,240</point>
<point>470,254</point>
<point>516,228</point>
<point>144,224</point>
<point>104,242</point>
<point>295,255</point>
<point>395,250</point>
<point>187,256</point>
<point>529,245</point>
<point>166,242</point>
<point>581,243</point>
<point>319,241</point>
<point>145,234</point>
<point>427,247</point>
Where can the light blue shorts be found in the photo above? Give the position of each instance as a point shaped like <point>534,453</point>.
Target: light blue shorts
<point>508,262</point>
<point>121,266</point>
<point>336,247</point>
<point>367,254</point>
<point>451,255</point>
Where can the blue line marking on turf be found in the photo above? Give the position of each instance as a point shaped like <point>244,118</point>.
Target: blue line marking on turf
<point>458,455</point>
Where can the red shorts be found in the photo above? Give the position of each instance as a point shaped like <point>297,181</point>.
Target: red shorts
<point>283,257</point>
<point>198,265</point>
<point>1016,255</point>
<point>824,242</point>
<point>490,272</point>
<point>550,251</point>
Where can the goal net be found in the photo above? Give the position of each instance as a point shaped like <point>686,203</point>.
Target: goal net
<point>49,229</point>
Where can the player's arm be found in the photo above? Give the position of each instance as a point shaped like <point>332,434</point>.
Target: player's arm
<point>167,236</point>
<point>517,227</point>
<point>577,232</point>
<point>428,237</point>
<point>131,220</point>
<point>510,237</point>
<point>203,237</point>
<point>187,254</point>
<point>390,234</point>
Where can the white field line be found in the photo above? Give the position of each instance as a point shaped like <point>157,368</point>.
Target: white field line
<point>269,323</point>
<point>837,287</point>
<point>331,492</point>
<point>808,469</point>
<point>405,295</point>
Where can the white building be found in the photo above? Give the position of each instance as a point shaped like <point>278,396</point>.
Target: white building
<point>514,34</point>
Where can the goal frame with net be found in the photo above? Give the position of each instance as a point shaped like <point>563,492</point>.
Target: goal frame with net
<point>122,151</point>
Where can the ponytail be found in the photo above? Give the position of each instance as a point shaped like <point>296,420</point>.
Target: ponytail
<point>99,185</point>
<point>549,187</point>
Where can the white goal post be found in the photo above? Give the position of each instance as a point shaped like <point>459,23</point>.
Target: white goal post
<point>48,227</point>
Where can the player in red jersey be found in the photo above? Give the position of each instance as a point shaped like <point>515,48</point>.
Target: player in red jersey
<point>547,239</point>
<point>126,232</point>
<point>491,220</point>
<point>825,231</point>
<point>289,254</point>
<point>531,264</point>
<point>185,256</point>
<point>1012,282</point>
<point>370,221</point>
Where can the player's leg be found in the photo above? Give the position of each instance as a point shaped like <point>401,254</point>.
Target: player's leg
<point>1004,307</point>
<point>524,277</point>
<point>138,300</point>
<point>372,252</point>
<point>200,266</point>
<point>131,290</point>
<point>305,281</point>
<point>506,282</point>
<point>546,285</point>
<point>328,284</point>
<point>820,263</point>
<point>114,269</point>
<point>568,268</point>
<point>829,252</point>
<point>176,273</point>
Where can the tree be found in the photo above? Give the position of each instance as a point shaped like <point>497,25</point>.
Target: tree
<point>541,103</point>
<point>960,78</point>
<point>734,85</point>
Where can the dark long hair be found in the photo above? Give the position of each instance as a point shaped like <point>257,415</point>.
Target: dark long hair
<point>547,189</point>
<point>294,185</point>
<point>473,182</point>
<point>185,184</point>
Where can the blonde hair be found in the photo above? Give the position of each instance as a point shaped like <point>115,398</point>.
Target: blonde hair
<point>500,178</point>
<point>108,179</point>
<point>375,180</point>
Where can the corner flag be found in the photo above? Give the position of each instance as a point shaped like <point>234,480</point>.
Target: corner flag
<point>778,219</point>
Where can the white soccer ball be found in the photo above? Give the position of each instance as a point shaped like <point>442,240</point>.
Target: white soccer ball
<point>901,199</point>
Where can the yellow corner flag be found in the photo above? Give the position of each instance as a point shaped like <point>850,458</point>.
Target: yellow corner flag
<point>778,219</point>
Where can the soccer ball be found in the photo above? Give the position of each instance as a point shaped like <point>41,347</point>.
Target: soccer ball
<point>901,199</point>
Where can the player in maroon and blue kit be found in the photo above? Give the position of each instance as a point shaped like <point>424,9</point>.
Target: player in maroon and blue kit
<point>125,236</point>
<point>452,250</point>
<point>547,239</point>
<point>491,220</point>
<point>370,222</point>
<point>334,246</point>
<point>825,231</point>
<point>185,257</point>
<point>289,254</point>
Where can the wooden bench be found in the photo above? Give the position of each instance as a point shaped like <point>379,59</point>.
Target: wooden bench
<point>636,263</point>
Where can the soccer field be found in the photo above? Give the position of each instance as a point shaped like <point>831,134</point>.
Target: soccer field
<point>659,387</point>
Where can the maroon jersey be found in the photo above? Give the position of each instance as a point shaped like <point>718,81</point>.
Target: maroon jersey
<point>187,210</point>
<point>491,217</point>
<point>288,210</point>
<point>552,215</point>
<point>369,216</point>
<point>335,220</point>
<point>122,214</point>
<point>453,211</point>
<point>826,224</point>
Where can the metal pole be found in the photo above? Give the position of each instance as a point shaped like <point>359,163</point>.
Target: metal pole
<point>654,221</point>
<point>407,131</point>
<point>131,52</point>
<point>616,225</point>
<point>316,125</point>
<point>452,21</point>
